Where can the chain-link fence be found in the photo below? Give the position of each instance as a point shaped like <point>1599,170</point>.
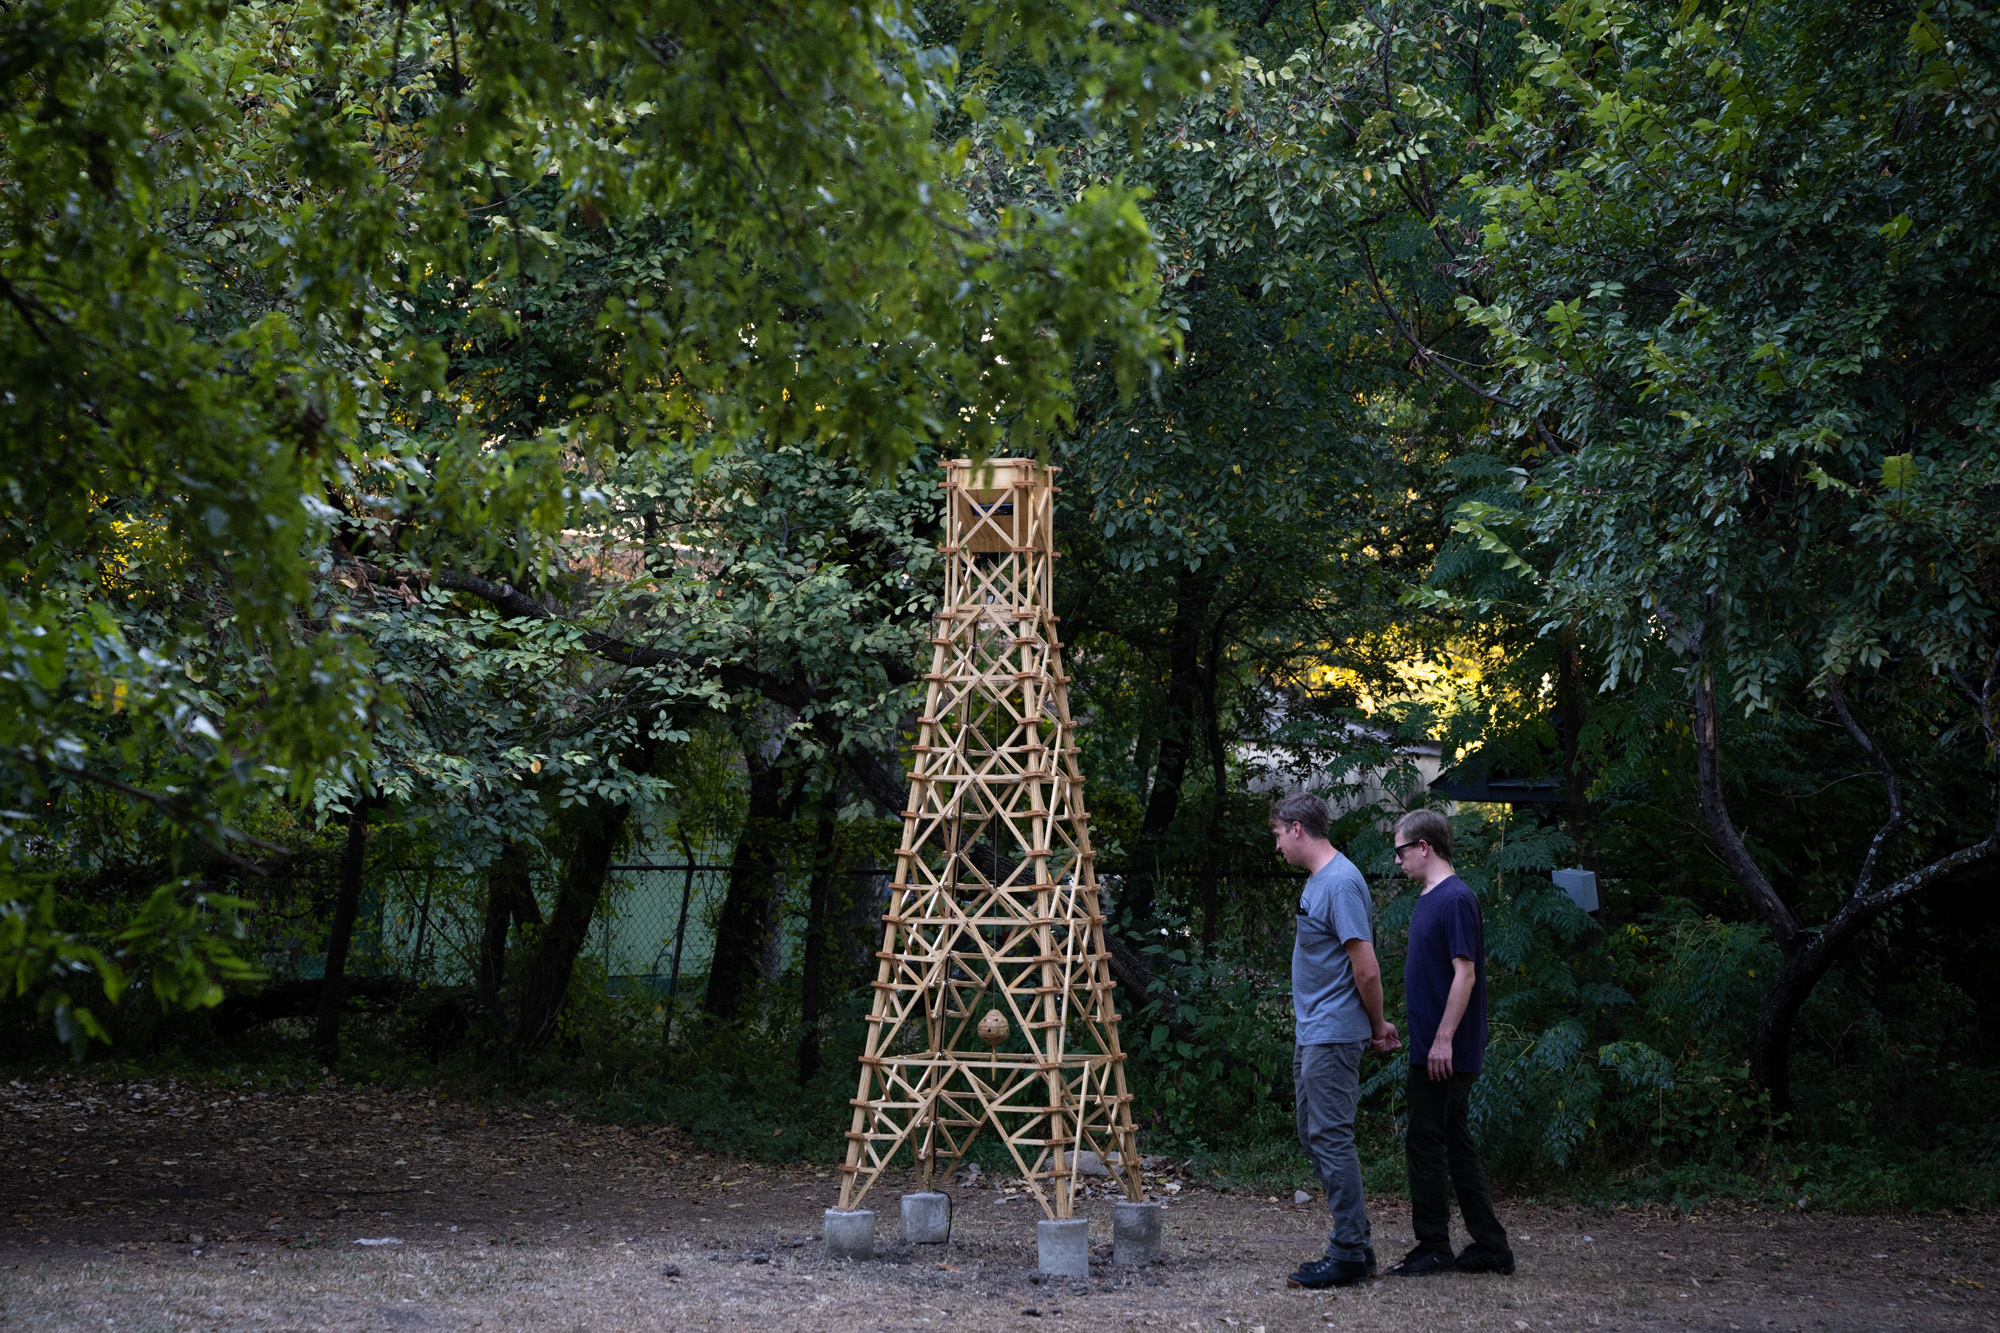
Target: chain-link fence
<point>654,922</point>
<point>657,921</point>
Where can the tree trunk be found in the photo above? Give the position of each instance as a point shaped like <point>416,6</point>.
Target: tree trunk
<point>812,966</point>
<point>1777,1020</point>
<point>862,904</point>
<point>593,833</point>
<point>1143,752</point>
<point>507,888</point>
<point>1181,720</point>
<point>680,938</point>
<point>1576,776</point>
<point>1218,776</point>
<point>1811,956</point>
<point>771,952</point>
<point>340,935</point>
<point>746,907</point>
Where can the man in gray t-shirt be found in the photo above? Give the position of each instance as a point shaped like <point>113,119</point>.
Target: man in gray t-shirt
<point>1337,1000</point>
<point>1334,907</point>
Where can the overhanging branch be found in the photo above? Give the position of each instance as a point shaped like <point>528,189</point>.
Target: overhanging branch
<point>1424,354</point>
<point>511,601</point>
<point>1962,859</point>
<point>176,808</point>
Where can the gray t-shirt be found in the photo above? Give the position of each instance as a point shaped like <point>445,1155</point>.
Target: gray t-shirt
<point>1334,907</point>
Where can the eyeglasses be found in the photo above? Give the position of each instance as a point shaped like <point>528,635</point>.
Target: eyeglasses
<point>1402,847</point>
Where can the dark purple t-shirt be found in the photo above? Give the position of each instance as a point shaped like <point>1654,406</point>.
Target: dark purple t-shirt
<point>1445,926</point>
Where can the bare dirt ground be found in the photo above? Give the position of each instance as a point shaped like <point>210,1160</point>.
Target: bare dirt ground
<point>165,1206</point>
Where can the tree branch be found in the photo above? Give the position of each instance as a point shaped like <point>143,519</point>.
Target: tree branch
<point>1962,859</point>
<point>176,808</point>
<point>511,601</point>
<point>1424,354</point>
<point>1836,691</point>
<point>32,312</point>
<point>733,676</point>
<point>1728,843</point>
<point>1982,700</point>
<point>873,776</point>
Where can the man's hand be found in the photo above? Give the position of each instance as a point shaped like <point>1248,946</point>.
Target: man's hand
<point>1385,1039</point>
<point>1440,1057</point>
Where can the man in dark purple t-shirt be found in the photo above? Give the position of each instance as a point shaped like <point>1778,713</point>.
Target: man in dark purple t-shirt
<point>1444,985</point>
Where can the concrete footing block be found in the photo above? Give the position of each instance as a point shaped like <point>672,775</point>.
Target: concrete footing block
<point>850,1235</point>
<point>1135,1233</point>
<point>926,1218</point>
<point>1062,1248</point>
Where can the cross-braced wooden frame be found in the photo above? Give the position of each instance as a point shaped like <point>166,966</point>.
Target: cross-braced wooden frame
<point>994,907</point>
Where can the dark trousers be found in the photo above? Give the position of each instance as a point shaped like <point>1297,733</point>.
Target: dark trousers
<point>1438,1146</point>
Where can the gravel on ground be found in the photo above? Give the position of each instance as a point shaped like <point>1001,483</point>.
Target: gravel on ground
<point>138,1205</point>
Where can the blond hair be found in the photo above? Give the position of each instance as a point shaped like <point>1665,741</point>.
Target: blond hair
<point>1426,826</point>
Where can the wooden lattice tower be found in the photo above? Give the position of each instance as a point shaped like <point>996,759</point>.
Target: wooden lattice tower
<point>993,935</point>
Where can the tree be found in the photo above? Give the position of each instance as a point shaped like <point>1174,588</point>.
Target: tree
<point>1244,534</point>
<point>1744,273</point>
<point>213,325</point>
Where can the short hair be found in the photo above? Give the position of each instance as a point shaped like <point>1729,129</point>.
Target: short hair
<point>1304,809</point>
<point>1426,826</point>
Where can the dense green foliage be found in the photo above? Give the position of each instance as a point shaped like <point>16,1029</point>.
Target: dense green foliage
<point>224,402</point>
<point>451,450</point>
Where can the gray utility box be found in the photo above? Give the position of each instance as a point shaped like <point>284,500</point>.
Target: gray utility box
<point>1580,885</point>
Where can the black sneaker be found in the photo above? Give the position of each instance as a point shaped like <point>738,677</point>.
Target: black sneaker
<point>1373,1267</point>
<point>1322,1273</point>
<point>1476,1258</point>
<point>1424,1261</point>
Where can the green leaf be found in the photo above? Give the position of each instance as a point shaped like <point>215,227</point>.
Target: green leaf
<point>1899,472</point>
<point>1924,35</point>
